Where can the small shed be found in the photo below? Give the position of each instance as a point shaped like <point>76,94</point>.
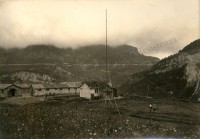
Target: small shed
<point>2,92</point>
<point>14,90</point>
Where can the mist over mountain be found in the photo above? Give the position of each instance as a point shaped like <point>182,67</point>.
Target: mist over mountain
<point>94,54</point>
<point>176,76</point>
<point>48,63</point>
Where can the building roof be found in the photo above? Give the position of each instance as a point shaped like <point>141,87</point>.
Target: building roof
<point>45,86</point>
<point>49,86</point>
<point>97,84</point>
<point>72,84</point>
<point>61,85</point>
<point>38,86</point>
<point>3,86</point>
<point>23,85</point>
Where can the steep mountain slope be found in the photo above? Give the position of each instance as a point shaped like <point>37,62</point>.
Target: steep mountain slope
<point>176,76</point>
<point>47,63</point>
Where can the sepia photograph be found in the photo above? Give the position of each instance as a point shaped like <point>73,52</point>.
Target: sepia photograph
<point>90,69</point>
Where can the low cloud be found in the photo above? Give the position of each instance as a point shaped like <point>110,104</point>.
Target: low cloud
<point>140,23</point>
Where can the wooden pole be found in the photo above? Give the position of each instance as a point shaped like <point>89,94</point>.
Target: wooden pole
<point>105,95</point>
<point>106,50</point>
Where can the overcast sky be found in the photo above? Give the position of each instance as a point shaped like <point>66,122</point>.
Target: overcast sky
<point>140,23</point>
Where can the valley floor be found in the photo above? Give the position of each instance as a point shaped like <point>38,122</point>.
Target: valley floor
<point>65,117</point>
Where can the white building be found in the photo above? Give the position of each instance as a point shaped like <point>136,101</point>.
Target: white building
<point>67,88</point>
<point>38,90</point>
<point>74,87</point>
<point>96,90</point>
<point>89,90</point>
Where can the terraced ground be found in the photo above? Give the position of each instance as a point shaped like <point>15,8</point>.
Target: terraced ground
<point>66,117</point>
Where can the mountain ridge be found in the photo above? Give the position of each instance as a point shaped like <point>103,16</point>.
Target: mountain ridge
<point>94,54</point>
<point>37,62</point>
<point>175,76</point>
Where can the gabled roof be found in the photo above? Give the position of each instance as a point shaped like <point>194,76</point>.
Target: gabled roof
<point>44,86</point>
<point>49,86</point>
<point>3,86</point>
<point>97,85</point>
<point>72,84</point>
<point>23,85</point>
<point>38,86</point>
<point>61,85</point>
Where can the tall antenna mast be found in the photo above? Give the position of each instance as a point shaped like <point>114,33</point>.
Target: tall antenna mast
<point>106,61</point>
<point>107,80</point>
<point>106,51</point>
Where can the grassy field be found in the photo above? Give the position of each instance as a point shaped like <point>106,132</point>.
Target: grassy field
<point>75,118</point>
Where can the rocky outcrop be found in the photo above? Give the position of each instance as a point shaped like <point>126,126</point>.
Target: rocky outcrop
<point>27,77</point>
